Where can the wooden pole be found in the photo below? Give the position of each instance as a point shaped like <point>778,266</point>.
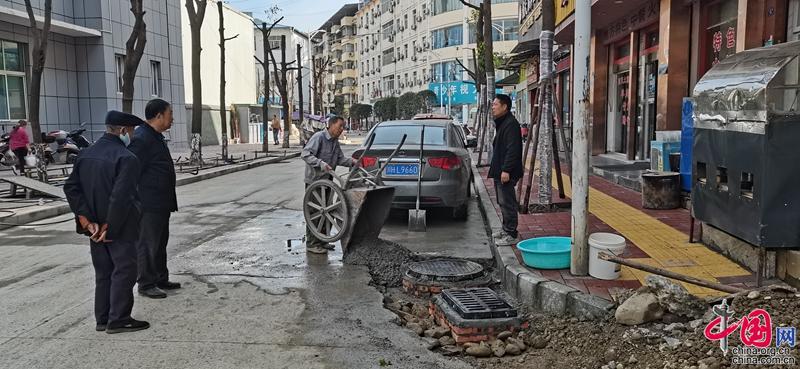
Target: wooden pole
<point>528,141</point>
<point>535,144</point>
<point>669,274</point>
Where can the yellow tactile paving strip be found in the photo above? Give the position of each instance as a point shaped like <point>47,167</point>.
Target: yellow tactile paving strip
<point>667,247</point>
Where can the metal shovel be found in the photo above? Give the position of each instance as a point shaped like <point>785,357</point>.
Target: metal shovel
<point>416,217</point>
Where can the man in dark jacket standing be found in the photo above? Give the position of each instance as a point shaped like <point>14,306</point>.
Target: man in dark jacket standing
<point>506,167</point>
<point>102,193</point>
<point>157,192</point>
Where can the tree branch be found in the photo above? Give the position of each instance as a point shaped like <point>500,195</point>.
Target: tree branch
<point>231,38</point>
<point>471,73</point>
<point>470,5</point>
<point>259,61</point>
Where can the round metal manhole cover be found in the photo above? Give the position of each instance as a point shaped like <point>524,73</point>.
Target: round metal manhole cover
<point>445,270</point>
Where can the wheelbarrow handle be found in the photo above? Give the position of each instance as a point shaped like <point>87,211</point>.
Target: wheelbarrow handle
<point>379,177</point>
<point>355,168</point>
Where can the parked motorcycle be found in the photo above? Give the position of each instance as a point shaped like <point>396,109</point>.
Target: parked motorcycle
<point>67,145</point>
<point>7,157</point>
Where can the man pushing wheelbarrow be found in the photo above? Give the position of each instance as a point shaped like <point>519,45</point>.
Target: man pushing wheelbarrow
<point>332,205</point>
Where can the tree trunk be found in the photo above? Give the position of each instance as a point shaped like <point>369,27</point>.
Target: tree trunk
<point>134,49</point>
<point>223,121</point>
<point>287,114</point>
<point>300,84</point>
<point>545,149</point>
<point>39,56</point>
<point>488,60</point>
<point>265,103</point>
<point>195,23</point>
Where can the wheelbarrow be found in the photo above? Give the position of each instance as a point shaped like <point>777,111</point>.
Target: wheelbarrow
<point>352,208</point>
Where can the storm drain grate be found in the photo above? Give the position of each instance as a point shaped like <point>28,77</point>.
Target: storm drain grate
<point>446,270</point>
<point>478,303</point>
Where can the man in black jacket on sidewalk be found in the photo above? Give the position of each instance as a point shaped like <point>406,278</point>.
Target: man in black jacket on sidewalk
<point>506,167</point>
<point>157,193</point>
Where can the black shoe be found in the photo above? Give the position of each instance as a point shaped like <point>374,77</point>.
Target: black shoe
<point>328,246</point>
<point>131,325</point>
<point>168,285</point>
<point>101,327</point>
<point>153,293</point>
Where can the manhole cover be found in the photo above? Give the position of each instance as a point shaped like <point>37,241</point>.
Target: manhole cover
<point>478,303</point>
<point>445,270</point>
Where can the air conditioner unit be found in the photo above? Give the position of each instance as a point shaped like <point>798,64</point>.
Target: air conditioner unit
<point>402,28</point>
<point>351,55</point>
<point>427,44</point>
<point>419,18</point>
<point>402,85</point>
<point>414,58</point>
<point>391,38</point>
<point>414,26</point>
<point>426,11</point>
<point>379,69</point>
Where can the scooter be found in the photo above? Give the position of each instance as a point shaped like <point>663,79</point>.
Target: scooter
<point>67,145</point>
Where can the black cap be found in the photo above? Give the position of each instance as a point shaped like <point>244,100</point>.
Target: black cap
<point>118,118</point>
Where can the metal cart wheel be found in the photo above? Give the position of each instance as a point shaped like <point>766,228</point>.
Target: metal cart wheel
<point>325,211</point>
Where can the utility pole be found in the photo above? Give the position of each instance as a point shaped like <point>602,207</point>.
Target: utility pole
<point>580,152</point>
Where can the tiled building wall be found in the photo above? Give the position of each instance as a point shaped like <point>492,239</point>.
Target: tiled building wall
<point>79,84</point>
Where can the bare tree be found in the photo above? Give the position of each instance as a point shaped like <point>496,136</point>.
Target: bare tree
<point>134,49</point>
<point>197,12</point>
<point>222,103</point>
<point>488,65</point>
<point>38,58</point>
<point>265,32</point>
<point>283,89</point>
<point>319,68</point>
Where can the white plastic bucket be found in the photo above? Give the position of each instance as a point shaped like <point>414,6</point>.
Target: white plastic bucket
<point>610,244</point>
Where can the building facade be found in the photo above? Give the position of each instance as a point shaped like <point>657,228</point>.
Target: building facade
<point>412,45</point>
<point>335,41</point>
<point>82,79</point>
<point>240,73</point>
<point>648,55</point>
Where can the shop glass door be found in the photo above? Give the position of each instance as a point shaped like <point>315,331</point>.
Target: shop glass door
<point>648,90</point>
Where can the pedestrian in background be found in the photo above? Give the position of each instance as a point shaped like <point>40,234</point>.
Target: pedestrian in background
<point>19,144</point>
<point>506,167</point>
<point>322,155</point>
<point>101,191</point>
<point>276,128</point>
<point>157,194</point>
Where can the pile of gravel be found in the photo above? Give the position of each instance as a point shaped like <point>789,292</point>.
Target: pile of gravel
<point>386,261</point>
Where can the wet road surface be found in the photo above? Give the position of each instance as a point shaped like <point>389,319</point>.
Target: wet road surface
<point>250,298</point>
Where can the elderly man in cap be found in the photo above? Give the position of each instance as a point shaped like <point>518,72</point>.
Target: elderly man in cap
<point>102,193</point>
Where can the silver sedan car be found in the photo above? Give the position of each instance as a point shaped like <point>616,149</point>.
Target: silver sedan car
<point>446,165</point>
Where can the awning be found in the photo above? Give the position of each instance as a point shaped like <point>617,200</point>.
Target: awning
<point>511,80</point>
<point>19,17</point>
<point>520,54</point>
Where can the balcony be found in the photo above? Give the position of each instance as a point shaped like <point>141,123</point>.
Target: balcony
<point>349,73</point>
<point>348,90</point>
<point>348,56</point>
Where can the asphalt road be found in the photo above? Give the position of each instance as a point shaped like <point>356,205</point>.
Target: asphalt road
<point>251,297</point>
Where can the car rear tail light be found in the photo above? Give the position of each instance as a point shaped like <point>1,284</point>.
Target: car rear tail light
<point>446,163</point>
<point>368,161</point>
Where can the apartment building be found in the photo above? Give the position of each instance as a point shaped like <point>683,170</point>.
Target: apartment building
<point>412,45</point>
<point>336,41</point>
<point>294,37</point>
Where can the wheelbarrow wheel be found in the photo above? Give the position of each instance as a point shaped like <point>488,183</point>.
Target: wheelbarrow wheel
<point>325,211</point>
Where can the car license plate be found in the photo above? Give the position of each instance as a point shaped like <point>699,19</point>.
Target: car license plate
<point>402,169</point>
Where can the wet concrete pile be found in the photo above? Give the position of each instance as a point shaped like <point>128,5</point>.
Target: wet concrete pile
<point>387,261</point>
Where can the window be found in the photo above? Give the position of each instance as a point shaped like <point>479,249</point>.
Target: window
<point>155,76</point>
<point>405,21</point>
<point>414,47</point>
<point>120,61</point>
<point>443,6</point>
<point>446,37</point>
<point>446,72</point>
<point>502,30</point>
<point>391,135</point>
<point>405,50</point>
<point>274,42</point>
<point>388,57</point>
<point>389,81</point>
<point>12,81</point>
<point>388,30</point>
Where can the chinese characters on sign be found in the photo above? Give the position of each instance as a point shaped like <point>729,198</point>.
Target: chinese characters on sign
<point>723,45</point>
<point>755,333</point>
<point>529,12</point>
<point>634,20</point>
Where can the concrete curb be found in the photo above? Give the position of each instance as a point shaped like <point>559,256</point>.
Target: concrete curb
<point>536,292</point>
<point>44,212</point>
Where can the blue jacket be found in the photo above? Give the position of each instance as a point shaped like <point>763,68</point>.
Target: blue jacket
<point>157,181</point>
<point>102,187</point>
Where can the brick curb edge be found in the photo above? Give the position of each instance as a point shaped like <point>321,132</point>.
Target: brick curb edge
<point>536,292</point>
<point>45,212</point>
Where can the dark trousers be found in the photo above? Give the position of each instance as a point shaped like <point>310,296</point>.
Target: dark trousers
<point>275,134</point>
<point>115,274</point>
<point>152,249</point>
<point>21,153</point>
<point>509,207</point>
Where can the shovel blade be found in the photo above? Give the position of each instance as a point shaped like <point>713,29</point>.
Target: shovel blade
<point>417,220</point>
